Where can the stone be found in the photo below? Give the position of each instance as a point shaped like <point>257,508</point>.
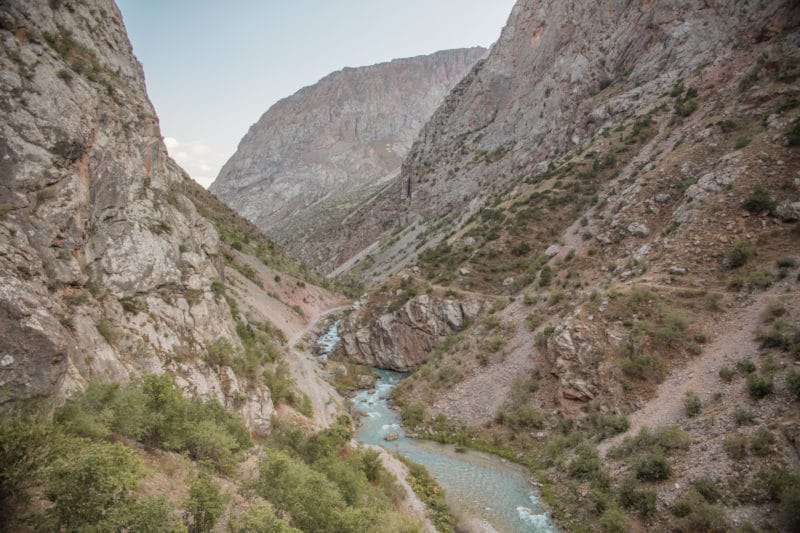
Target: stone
<point>552,250</point>
<point>365,381</point>
<point>508,281</point>
<point>391,436</point>
<point>638,229</point>
<point>788,211</point>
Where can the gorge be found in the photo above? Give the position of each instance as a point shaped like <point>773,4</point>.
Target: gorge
<point>579,247</point>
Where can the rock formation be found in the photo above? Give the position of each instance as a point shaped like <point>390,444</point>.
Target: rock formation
<point>401,340</point>
<point>314,155</point>
<point>107,270</point>
<point>560,73</point>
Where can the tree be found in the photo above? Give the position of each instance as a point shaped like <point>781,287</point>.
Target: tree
<point>206,504</point>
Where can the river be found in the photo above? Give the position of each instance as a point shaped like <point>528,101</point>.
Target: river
<point>483,487</point>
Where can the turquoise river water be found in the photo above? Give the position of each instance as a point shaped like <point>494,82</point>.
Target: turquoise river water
<point>486,488</point>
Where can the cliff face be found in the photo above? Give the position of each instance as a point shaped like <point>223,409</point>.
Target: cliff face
<point>559,74</point>
<point>314,155</point>
<point>106,267</point>
<point>401,339</point>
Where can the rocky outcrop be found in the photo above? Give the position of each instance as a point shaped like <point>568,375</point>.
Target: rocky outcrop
<point>401,340</point>
<point>560,73</point>
<point>106,267</point>
<point>314,155</point>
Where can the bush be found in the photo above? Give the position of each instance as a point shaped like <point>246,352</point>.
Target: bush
<point>205,505</point>
<point>692,404</point>
<point>759,201</point>
<point>762,442</point>
<point>706,518</point>
<point>736,447</point>
<point>633,498</point>
<point>613,521</point>
<point>742,417</point>
<point>24,447</point>
<point>587,466</point>
<point>793,384</point>
<point>707,489</point>
<point>727,374</point>
<point>412,415</point>
<point>652,467</point>
<point>738,254</point>
<point>90,482</point>
<point>759,386</point>
<point>760,279</point>
<point>259,517</point>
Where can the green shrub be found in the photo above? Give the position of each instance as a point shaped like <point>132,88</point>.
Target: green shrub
<point>706,518</point>
<point>412,415</point>
<point>613,521</point>
<point>745,366</point>
<point>24,449</point>
<point>759,386</point>
<point>686,107</point>
<point>793,383</point>
<point>259,517</point>
<point>762,442</point>
<point>789,510</point>
<point>738,254</point>
<point>608,425</point>
<point>741,142</point>
<point>742,416</point>
<point>633,498</point>
<point>692,404</point>
<point>89,482</point>
<point>727,374</point>
<point>533,320</point>
<point>652,467</point>
<point>545,276</point>
<point>587,466</point>
<point>106,330</point>
<point>205,505</point>
<point>759,200</point>
<point>736,447</point>
<point>760,279</point>
<point>707,489</point>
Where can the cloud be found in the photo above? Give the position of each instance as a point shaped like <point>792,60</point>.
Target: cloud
<point>197,158</point>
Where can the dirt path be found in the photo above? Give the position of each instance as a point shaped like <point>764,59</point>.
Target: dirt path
<point>733,340</point>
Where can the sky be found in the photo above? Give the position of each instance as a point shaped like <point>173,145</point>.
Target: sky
<point>213,67</point>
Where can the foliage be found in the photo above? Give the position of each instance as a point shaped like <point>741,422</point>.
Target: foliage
<point>634,498</point>
<point>412,415</point>
<point>154,411</point>
<point>24,448</point>
<point>738,254</point>
<point>692,404</point>
<point>425,486</point>
<point>89,482</point>
<point>759,386</point>
<point>205,505</point>
<point>259,517</point>
<point>652,467</point>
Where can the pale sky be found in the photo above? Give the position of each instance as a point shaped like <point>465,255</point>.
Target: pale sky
<point>213,67</point>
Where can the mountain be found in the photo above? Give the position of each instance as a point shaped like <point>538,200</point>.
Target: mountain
<point>109,270</point>
<point>315,154</point>
<point>614,191</point>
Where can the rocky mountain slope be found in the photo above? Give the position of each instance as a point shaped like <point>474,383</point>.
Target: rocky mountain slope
<point>620,185</point>
<point>314,155</point>
<point>108,269</point>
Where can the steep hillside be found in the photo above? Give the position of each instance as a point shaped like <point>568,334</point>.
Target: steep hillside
<point>108,269</point>
<point>314,155</point>
<point>620,186</point>
<point>560,73</point>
